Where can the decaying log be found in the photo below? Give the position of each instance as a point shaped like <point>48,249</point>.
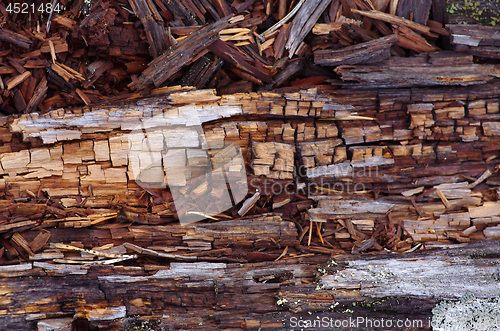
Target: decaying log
<point>369,52</point>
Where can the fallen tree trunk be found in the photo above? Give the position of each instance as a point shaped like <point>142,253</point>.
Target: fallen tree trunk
<point>291,175</point>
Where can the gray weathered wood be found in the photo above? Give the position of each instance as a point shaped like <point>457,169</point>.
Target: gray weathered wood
<point>368,52</point>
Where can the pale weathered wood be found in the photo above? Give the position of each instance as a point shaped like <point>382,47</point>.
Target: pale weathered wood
<point>480,12</point>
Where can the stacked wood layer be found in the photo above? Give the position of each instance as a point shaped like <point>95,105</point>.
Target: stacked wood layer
<point>397,151</point>
<point>327,171</point>
<point>85,52</point>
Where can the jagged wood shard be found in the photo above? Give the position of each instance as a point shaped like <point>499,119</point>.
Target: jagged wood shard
<point>367,169</point>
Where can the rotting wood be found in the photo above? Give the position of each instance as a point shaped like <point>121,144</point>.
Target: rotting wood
<point>479,12</point>
<point>155,32</point>
<point>82,33</point>
<point>369,52</point>
<point>303,22</point>
<point>163,67</point>
<point>90,153</point>
<point>270,288</point>
<point>482,41</point>
<point>415,10</point>
<point>439,69</point>
<point>15,38</point>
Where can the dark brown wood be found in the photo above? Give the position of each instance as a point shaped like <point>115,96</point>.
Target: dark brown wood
<point>153,25</point>
<point>237,59</point>
<point>415,10</point>
<point>179,10</point>
<point>439,13</point>
<point>163,67</point>
<point>479,12</point>
<point>96,69</point>
<point>474,35</point>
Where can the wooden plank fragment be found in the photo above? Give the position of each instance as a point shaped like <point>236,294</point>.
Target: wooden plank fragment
<point>392,19</point>
<point>233,56</point>
<point>155,31</point>
<point>407,38</point>
<point>415,10</point>
<point>13,82</point>
<point>368,52</point>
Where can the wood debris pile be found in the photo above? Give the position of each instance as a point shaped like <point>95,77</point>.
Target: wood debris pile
<point>85,52</point>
